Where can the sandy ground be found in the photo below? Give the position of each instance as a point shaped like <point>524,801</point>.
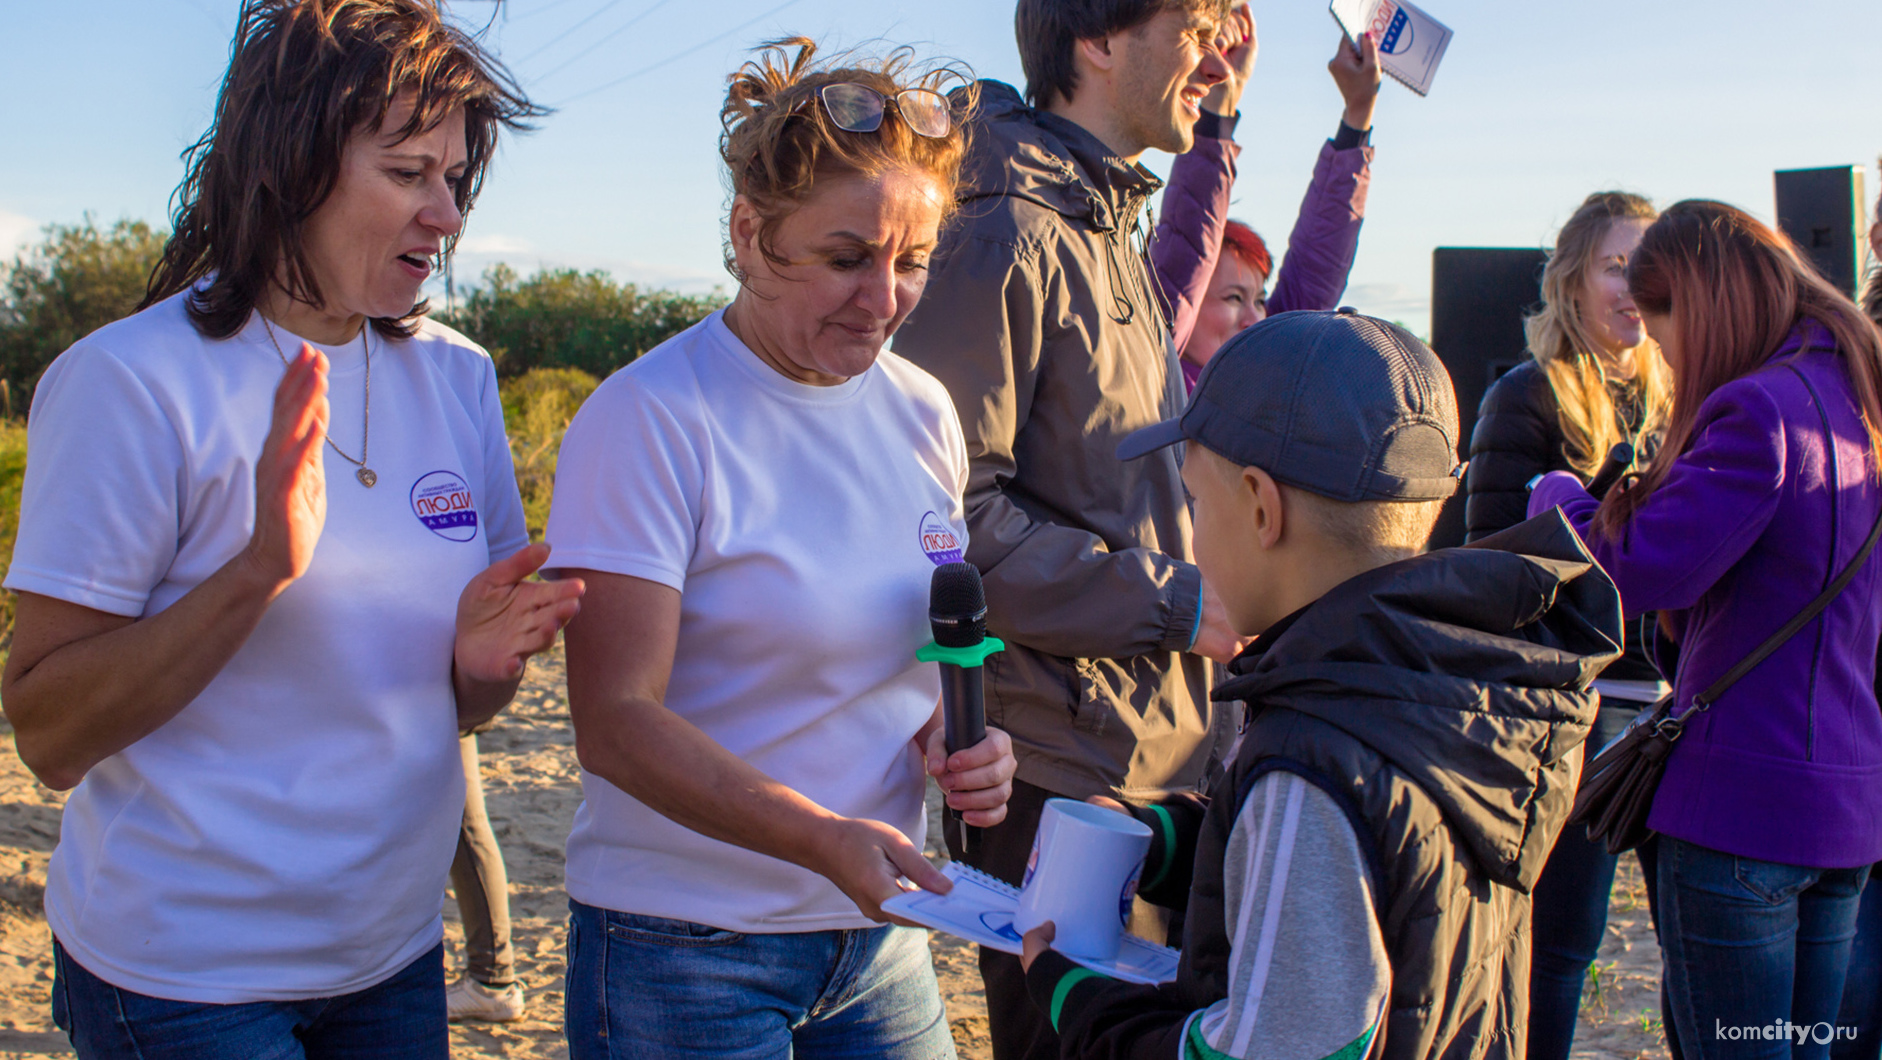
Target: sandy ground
<point>532,787</point>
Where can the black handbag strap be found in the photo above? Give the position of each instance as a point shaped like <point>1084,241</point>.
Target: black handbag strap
<point>1832,591</point>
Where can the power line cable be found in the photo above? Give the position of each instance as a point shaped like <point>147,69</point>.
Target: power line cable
<point>558,38</point>
<point>677,56</point>
<point>622,28</point>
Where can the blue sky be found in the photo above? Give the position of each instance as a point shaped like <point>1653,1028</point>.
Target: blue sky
<point>1536,105</point>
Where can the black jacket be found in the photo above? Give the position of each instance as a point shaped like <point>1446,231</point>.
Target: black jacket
<point>1519,436</point>
<point>1438,700</point>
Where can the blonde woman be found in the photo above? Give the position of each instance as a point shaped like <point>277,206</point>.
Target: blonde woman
<point>1593,379</point>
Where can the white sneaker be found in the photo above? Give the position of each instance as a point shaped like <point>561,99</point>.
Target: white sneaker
<point>468,999</point>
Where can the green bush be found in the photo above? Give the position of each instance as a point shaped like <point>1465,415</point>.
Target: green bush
<point>537,408</point>
<point>12,476</point>
<point>562,318</point>
<point>75,282</point>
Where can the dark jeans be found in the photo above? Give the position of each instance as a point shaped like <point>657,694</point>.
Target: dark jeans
<point>1570,914</point>
<point>401,1018</point>
<point>1755,951</point>
<point>1015,1026</point>
<point>1862,988</point>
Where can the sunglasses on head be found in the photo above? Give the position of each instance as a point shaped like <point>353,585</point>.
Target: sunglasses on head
<point>859,108</point>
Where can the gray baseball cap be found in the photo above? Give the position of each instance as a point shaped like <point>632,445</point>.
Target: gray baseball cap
<point>1344,405</point>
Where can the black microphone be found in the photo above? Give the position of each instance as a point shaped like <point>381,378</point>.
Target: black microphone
<point>1620,458</point>
<point>957,612</point>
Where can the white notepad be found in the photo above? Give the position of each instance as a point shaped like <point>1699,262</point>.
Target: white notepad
<point>1411,43</point>
<point>980,909</point>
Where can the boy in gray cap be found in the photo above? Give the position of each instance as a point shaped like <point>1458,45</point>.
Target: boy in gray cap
<point>1359,884</point>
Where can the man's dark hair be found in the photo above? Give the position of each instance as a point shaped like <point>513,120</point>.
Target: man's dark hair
<point>303,76</point>
<point>1049,30</point>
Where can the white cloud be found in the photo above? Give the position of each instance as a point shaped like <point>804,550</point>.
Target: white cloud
<point>493,244</point>
<point>471,261</point>
<point>1391,301</point>
<point>16,232</point>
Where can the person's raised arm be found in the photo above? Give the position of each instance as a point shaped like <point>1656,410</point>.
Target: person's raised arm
<point>1188,238</point>
<point>980,331</point>
<point>82,684</point>
<point>1325,239</point>
<point>620,657</point>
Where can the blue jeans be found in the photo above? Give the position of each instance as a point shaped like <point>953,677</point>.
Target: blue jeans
<point>1862,989</point>
<point>1570,914</point>
<point>401,1018</point>
<point>1751,946</point>
<point>648,987</point>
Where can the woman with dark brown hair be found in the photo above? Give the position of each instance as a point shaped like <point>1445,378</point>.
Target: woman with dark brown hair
<point>272,560</point>
<point>758,506</point>
<point>1764,492</point>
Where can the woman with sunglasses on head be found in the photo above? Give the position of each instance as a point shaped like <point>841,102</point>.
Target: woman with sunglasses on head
<point>271,561</point>
<point>1764,493</point>
<point>758,506</point>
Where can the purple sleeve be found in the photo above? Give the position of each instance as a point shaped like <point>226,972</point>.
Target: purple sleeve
<point>1189,234</point>
<point>1325,239</point>
<point>1714,504</point>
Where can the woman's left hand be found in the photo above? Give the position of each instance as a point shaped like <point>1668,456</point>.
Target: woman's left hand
<point>977,780</point>
<point>503,619</point>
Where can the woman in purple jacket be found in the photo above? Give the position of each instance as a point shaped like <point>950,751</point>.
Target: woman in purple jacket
<point>1767,485</point>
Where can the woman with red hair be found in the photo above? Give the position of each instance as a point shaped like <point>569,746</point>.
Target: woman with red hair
<point>1193,240</point>
<point>1765,490</point>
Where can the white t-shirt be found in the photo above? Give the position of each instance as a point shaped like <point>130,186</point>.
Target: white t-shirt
<point>802,526</point>
<point>289,833</point>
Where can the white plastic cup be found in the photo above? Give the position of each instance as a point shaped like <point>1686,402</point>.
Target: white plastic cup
<point>1082,876</point>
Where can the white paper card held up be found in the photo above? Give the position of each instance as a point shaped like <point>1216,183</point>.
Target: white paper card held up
<point>1411,43</point>
<point>980,909</point>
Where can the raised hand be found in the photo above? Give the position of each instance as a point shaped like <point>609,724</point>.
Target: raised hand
<point>1239,47</point>
<point>291,476</point>
<point>977,780</point>
<point>503,619</point>
<point>1355,68</point>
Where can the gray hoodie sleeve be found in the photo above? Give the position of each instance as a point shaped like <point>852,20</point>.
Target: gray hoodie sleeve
<point>1053,587</point>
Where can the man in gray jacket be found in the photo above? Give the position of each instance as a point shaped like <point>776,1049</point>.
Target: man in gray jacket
<point>1041,319</point>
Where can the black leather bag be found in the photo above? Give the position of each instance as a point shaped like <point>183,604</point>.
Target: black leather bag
<point>1617,791</point>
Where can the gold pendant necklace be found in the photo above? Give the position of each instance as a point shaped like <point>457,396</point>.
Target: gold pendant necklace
<point>361,472</point>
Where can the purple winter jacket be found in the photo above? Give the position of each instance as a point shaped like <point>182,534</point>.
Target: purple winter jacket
<point>1760,513</point>
<point>1188,239</point>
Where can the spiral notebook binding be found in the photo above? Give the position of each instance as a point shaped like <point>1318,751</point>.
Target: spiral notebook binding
<point>992,883</point>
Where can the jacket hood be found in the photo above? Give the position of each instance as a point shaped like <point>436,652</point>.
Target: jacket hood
<point>1019,151</point>
<point>1467,669</point>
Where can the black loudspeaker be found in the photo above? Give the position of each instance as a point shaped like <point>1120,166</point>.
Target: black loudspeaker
<point>1479,296</point>
<point>1822,211</point>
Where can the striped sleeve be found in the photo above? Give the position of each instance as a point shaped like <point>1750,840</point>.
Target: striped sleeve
<point>1308,976</point>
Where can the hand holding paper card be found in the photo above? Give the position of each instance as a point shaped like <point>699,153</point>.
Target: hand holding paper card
<point>1411,43</point>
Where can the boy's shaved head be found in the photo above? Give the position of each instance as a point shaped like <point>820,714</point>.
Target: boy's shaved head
<point>1380,531</point>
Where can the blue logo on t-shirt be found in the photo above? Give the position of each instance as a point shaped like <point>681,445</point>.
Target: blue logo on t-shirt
<point>442,501</point>
<point>938,540</point>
